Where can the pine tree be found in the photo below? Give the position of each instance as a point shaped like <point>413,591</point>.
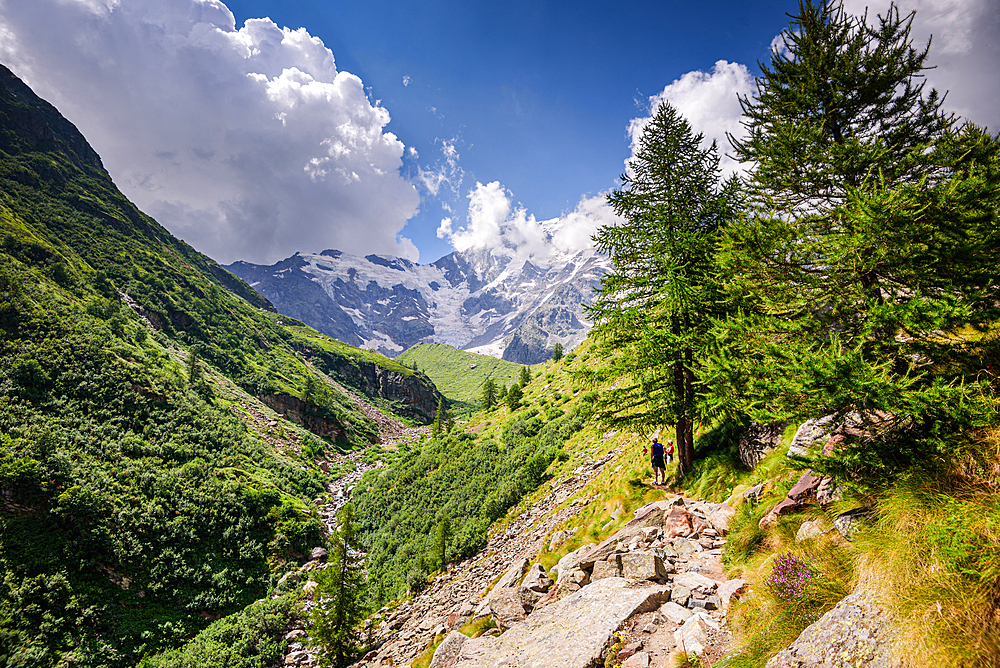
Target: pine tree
<point>525,377</point>
<point>194,367</point>
<point>557,352</point>
<point>489,397</point>
<point>441,537</point>
<point>440,419</point>
<point>513,398</point>
<point>654,308</point>
<point>875,230</point>
<point>339,595</point>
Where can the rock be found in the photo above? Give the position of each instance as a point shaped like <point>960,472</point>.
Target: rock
<point>439,630</point>
<point>318,553</point>
<point>582,578</point>
<point>728,589</point>
<point>680,595</point>
<point>805,488</point>
<point>512,578</point>
<point>558,538</point>
<point>828,492</point>
<point>677,523</point>
<point>309,587</point>
<point>642,566</point>
<point>446,655</point>
<point>719,516</point>
<point>570,633</point>
<point>428,622</point>
<point>537,579</point>
<point>682,547</point>
<point>675,613</point>
<point>650,515</point>
<point>507,608</point>
<point>810,529</point>
<point>629,650</point>
<point>710,603</point>
<point>801,493</point>
<point>696,582</point>
<point>849,523</point>
<point>757,441</point>
<point>856,632</point>
<point>649,628</point>
<point>296,657</point>
<point>810,437</point>
<point>754,493</point>
<point>692,636</point>
<point>606,569</point>
<point>570,561</point>
<point>637,660</point>
<point>295,634</point>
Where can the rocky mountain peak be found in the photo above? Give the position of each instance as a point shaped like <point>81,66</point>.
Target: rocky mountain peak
<point>487,302</point>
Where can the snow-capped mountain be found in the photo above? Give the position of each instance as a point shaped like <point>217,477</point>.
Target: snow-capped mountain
<point>475,300</point>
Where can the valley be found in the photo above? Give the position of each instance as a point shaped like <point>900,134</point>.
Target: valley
<point>361,461</point>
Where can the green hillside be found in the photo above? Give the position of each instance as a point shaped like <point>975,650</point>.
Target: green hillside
<point>149,482</point>
<point>460,374</point>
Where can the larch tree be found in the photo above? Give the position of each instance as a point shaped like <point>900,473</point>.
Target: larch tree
<point>340,595</point>
<point>874,233</point>
<point>653,310</point>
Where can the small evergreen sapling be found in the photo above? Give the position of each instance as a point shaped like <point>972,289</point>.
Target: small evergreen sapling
<point>340,595</point>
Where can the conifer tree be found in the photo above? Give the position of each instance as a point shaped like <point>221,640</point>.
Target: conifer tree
<point>557,352</point>
<point>513,398</point>
<point>525,377</point>
<point>489,398</point>
<point>441,537</point>
<point>440,419</point>
<point>875,229</point>
<point>653,309</point>
<point>340,595</point>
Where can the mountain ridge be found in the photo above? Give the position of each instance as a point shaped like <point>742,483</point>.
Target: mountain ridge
<point>477,300</point>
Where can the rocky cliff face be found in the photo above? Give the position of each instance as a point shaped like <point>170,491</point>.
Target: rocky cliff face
<point>477,300</point>
<point>414,394</point>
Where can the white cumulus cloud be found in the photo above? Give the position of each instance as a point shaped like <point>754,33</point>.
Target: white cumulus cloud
<point>710,103</point>
<point>245,141</point>
<point>495,223</point>
<point>965,50</point>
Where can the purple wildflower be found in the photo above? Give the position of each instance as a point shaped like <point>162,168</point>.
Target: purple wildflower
<point>790,576</point>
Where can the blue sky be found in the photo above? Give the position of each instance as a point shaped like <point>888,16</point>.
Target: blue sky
<point>255,128</point>
<point>535,95</point>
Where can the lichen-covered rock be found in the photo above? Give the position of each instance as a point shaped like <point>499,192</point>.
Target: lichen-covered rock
<point>643,566</point>
<point>610,568</point>
<point>757,441</point>
<point>856,633</point>
<point>446,655</point>
<point>849,523</point>
<point>810,529</point>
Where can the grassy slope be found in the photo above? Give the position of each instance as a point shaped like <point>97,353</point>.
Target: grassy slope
<point>138,502</point>
<point>452,372</point>
<point>944,571</point>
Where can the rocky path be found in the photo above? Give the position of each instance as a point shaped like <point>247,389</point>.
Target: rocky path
<point>453,597</point>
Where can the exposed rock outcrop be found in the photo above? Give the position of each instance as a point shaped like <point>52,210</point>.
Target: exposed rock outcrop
<point>857,632</point>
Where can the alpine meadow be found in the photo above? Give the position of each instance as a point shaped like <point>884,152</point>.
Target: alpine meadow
<point>789,300</point>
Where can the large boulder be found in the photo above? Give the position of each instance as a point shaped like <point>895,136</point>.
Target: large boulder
<point>849,523</point>
<point>719,515</point>
<point>857,632</point>
<point>757,441</point>
<point>570,633</point>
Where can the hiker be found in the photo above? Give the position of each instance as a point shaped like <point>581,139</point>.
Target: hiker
<point>659,469</point>
<point>669,451</point>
